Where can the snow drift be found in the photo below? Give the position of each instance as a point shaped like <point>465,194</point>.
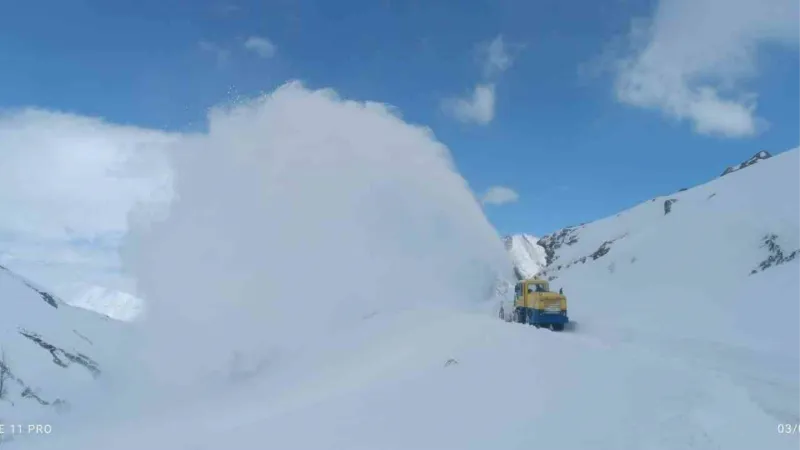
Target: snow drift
<point>296,215</point>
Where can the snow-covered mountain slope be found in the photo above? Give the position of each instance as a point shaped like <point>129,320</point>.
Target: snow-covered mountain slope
<point>52,353</point>
<point>709,274</point>
<point>115,304</point>
<point>528,257</point>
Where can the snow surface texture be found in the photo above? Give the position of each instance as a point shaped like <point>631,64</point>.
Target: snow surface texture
<point>393,348</point>
<point>51,353</point>
<point>451,381</point>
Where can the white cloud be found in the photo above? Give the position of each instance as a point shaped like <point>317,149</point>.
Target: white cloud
<point>499,195</point>
<point>300,191</point>
<point>495,57</point>
<point>691,58</point>
<point>220,53</point>
<point>66,186</point>
<point>263,47</point>
<point>478,108</point>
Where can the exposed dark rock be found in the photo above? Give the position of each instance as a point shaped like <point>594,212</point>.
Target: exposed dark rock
<point>552,242</point>
<point>713,194</point>
<point>682,189</point>
<point>776,255</point>
<point>83,337</point>
<point>668,205</point>
<point>45,296</point>
<point>61,357</point>
<point>605,247</point>
<point>28,393</point>
<point>760,156</point>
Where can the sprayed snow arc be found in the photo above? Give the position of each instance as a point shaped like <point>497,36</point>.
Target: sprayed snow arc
<point>322,283</point>
<point>297,215</point>
<point>528,257</point>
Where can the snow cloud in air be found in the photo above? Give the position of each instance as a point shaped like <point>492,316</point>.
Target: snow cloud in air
<point>297,215</point>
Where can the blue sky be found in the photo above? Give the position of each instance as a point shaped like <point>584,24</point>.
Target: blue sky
<point>563,134</point>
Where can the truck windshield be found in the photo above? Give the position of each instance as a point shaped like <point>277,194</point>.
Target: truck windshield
<point>537,287</point>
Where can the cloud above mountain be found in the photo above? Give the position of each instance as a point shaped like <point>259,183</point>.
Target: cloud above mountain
<point>691,61</point>
<point>67,183</point>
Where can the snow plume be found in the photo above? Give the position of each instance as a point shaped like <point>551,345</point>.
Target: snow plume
<point>299,214</point>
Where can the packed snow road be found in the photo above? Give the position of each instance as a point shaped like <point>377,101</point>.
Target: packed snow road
<point>770,378</point>
<point>442,380</point>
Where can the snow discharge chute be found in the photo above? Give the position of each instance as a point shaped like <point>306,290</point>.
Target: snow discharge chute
<point>299,213</point>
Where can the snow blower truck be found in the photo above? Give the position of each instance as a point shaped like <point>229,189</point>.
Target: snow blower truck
<point>534,304</point>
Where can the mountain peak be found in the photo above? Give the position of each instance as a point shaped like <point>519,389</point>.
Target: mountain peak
<point>762,155</point>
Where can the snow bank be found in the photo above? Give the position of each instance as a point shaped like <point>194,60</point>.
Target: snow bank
<point>296,215</point>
